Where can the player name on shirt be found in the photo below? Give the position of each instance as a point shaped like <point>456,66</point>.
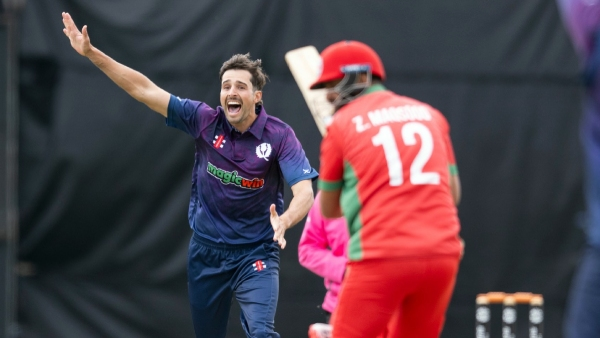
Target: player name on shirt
<point>390,115</point>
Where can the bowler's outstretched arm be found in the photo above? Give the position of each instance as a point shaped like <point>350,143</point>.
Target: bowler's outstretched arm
<point>133,82</point>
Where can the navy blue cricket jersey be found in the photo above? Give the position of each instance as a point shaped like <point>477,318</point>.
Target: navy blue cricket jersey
<point>236,177</point>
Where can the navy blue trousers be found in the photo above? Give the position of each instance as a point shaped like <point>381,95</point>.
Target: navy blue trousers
<point>583,308</point>
<point>217,272</point>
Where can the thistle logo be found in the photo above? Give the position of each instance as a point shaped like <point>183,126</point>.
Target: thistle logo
<point>231,177</point>
<point>259,265</point>
<point>263,151</point>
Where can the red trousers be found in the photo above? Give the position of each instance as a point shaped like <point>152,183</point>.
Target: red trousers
<point>405,297</point>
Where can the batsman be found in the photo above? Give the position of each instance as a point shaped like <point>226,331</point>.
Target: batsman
<point>243,157</point>
<point>387,161</point>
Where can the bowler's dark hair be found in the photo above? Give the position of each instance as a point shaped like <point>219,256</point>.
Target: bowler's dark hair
<point>243,61</point>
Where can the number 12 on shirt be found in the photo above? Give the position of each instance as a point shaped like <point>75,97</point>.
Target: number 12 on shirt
<point>386,139</point>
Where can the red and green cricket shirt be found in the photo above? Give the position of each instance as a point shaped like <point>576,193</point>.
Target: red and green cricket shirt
<point>391,156</point>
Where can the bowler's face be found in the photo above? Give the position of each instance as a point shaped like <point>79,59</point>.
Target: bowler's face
<point>238,98</point>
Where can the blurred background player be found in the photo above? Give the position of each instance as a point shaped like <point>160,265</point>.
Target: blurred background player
<point>582,20</point>
<point>388,160</point>
<point>236,207</point>
<point>322,250</point>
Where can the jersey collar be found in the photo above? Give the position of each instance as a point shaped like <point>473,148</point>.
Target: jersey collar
<point>257,127</point>
<point>374,88</point>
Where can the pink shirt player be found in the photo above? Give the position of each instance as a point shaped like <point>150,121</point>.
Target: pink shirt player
<point>322,250</point>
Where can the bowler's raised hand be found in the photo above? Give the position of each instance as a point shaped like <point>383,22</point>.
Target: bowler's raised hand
<point>80,41</point>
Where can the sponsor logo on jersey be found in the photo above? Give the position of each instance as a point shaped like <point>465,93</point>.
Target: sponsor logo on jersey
<point>232,177</point>
<point>259,265</point>
<point>482,314</point>
<point>509,315</point>
<point>263,151</point>
<point>536,315</point>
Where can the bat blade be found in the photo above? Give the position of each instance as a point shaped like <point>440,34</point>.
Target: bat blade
<point>305,64</point>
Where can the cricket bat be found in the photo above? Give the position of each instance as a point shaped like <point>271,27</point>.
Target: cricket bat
<point>305,64</point>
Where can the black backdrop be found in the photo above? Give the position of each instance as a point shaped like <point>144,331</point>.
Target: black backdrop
<point>104,185</point>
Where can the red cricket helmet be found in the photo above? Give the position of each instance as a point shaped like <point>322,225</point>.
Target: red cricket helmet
<point>347,53</point>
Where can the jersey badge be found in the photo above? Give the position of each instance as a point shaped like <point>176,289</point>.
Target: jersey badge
<point>263,151</point>
<point>219,141</point>
<point>259,265</point>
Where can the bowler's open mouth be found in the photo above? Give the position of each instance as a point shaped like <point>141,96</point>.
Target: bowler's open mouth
<point>233,107</point>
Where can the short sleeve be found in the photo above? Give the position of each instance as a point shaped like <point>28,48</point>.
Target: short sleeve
<point>332,162</point>
<point>188,115</point>
<point>292,160</point>
<point>445,131</point>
